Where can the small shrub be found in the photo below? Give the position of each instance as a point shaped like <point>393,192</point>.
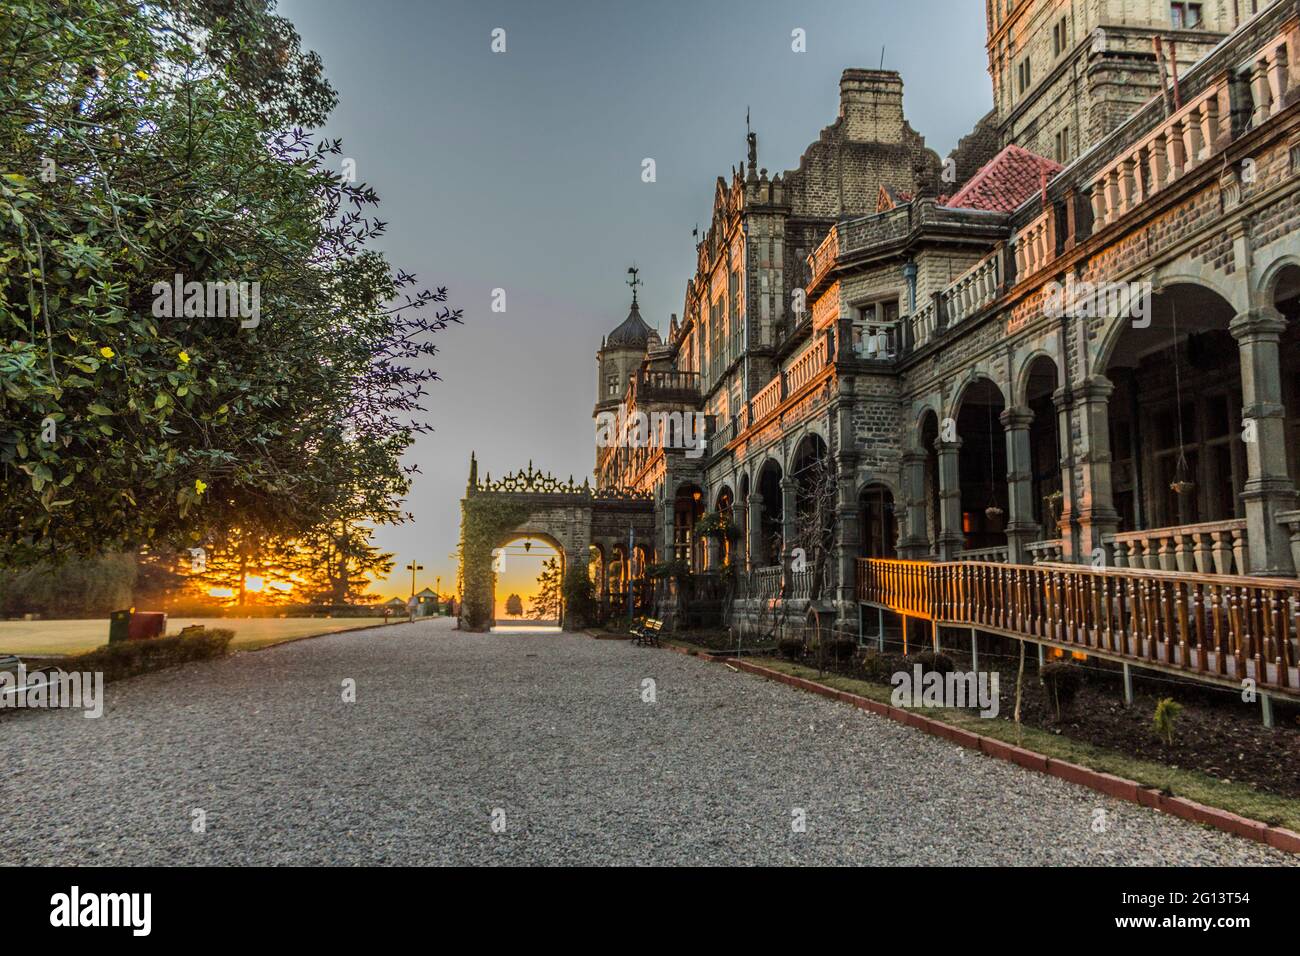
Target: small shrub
<point>128,658</point>
<point>1166,716</point>
<point>1062,682</point>
<point>842,649</point>
<point>791,648</point>
<point>876,667</point>
<point>939,663</point>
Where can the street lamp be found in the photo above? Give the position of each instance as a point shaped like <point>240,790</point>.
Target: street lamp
<point>410,605</point>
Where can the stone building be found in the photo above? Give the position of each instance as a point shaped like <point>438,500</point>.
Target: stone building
<point>1073,349</point>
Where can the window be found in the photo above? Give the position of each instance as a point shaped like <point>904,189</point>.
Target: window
<point>1060,38</point>
<point>1063,145</point>
<point>1025,77</point>
<point>1185,16</point>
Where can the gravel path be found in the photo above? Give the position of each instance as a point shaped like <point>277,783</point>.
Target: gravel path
<point>550,733</point>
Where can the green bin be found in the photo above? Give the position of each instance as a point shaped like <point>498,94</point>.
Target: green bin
<point>119,626</point>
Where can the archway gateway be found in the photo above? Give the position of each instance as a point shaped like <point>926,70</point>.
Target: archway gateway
<point>528,503</point>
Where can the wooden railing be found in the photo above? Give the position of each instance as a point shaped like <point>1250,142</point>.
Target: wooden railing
<point>1216,547</point>
<point>1221,629</point>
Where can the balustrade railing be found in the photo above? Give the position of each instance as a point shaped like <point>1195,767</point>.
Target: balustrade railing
<point>1035,245</point>
<point>1224,629</point>
<point>973,290</point>
<point>811,361</point>
<point>1185,141</point>
<point>768,397</point>
<point>997,555</point>
<point>1047,552</point>
<point>765,583</point>
<point>1216,547</point>
<point>925,324</point>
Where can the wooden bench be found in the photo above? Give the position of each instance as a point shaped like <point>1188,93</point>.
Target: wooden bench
<point>646,631</point>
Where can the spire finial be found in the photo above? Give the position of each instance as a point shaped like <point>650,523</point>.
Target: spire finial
<point>634,282</point>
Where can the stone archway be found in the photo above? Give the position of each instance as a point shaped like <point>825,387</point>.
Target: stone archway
<point>531,503</point>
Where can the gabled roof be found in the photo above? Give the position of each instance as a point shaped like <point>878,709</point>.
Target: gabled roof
<point>889,198</point>
<point>1006,181</point>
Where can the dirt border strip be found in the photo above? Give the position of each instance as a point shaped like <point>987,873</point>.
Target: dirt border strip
<point>1279,838</point>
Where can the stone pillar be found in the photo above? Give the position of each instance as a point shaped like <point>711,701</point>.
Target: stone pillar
<point>715,553</point>
<point>1022,529</point>
<point>914,543</point>
<point>755,554</point>
<point>1096,509</point>
<point>951,538</point>
<point>789,520</point>
<point>847,538</point>
<point>1270,490</point>
<point>1064,402</point>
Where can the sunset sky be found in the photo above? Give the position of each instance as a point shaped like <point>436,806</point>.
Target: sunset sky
<point>522,171</point>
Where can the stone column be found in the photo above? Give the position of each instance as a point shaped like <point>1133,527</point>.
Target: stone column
<point>789,520</point>
<point>1022,529</point>
<point>914,542</point>
<point>1064,402</point>
<point>847,537</point>
<point>755,554</point>
<point>1270,490</point>
<point>715,553</point>
<point>1096,509</point>
<point>951,538</point>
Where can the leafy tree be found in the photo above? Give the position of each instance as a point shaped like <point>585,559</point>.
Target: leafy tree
<point>546,602</point>
<point>90,587</point>
<point>515,606</point>
<point>141,141</point>
<point>579,598</point>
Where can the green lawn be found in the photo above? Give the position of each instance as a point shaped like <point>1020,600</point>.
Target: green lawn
<point>39,638</point>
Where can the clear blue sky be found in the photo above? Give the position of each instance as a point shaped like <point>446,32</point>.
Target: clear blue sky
<point>522,171</point>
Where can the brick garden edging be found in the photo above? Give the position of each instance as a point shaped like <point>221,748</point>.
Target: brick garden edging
<point>1130,790</point>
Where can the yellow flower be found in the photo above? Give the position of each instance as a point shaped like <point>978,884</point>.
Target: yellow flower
<point>184,357</point>
<point>199,486</point>
<point>141,75</point>
<point>106,352</point>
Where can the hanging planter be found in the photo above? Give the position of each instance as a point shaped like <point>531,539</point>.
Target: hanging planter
<point>1182,483</point>
<point>994,512</point>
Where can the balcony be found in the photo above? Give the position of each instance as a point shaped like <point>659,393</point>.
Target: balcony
<point>670,387</point>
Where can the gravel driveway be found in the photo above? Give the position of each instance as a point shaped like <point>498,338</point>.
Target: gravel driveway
<point>530,748</point>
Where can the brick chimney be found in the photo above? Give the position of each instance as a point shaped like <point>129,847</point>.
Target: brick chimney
<point>871,106</point>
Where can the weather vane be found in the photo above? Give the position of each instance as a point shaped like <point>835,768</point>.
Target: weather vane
<point>634,281</point>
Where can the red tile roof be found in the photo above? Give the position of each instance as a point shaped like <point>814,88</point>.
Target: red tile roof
<point>1007,180</point>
